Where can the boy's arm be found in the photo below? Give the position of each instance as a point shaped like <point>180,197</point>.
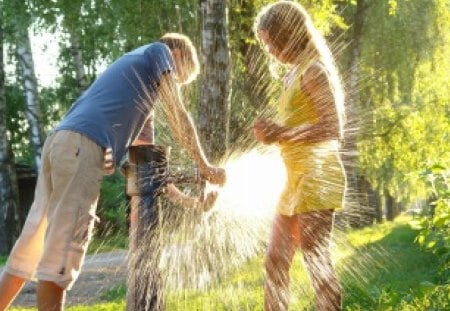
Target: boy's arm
<point>183,128</point>
<point>146,135</point>
<point>178,197</point>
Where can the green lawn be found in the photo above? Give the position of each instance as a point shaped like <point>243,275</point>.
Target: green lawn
<point>380,268</point>
<point>105,244</point>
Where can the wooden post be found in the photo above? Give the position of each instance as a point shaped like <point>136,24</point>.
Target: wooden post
<point>146,176</point>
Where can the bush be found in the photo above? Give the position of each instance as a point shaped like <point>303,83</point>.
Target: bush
<point>434,230</point>
<point>112,206</point>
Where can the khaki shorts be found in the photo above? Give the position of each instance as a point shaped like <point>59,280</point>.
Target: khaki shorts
<point>54,239</point>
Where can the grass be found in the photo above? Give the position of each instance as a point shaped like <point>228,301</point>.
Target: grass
<point>397,271</point>
<point>380,268</point>
<point>116,241</point>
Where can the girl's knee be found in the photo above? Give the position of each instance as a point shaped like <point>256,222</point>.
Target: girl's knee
<point>277,257</point>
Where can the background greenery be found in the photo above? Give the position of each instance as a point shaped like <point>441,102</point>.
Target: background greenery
<point>397,51</point>
<point>382,270</point>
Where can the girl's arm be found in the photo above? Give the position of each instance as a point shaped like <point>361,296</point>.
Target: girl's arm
<point>316,85</point>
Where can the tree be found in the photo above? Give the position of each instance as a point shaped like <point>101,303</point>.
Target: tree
<point>252,84</point>
<point>405,52</point>
<point>214,106</point>
<point>21,23</point>
<point>364,204</point>
<point>9,202</point>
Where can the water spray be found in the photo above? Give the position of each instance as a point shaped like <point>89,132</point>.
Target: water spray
<point>146,177</point>
<point>147,174</point>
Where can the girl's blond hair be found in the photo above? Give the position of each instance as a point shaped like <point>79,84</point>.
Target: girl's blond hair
<point>292,31</point>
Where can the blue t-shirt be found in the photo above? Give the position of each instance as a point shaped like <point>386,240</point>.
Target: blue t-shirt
<point>113,110</point>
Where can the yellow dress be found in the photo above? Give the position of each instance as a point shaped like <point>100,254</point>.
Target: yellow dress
<point>315,175</point>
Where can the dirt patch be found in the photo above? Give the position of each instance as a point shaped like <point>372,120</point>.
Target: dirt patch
<point>100,273</point>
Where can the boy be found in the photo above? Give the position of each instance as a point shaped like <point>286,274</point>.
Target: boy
<point>110,116</point>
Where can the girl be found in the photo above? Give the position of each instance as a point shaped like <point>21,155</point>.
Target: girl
<point>307,131</point>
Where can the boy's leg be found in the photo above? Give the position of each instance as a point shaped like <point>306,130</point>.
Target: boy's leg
<point>50,297</point>
<point>315,232</point>
<point>77,172</point>
<point>10,286</point>
<point>62,214</point>
<point>27,250</point>
<point>278,263</point>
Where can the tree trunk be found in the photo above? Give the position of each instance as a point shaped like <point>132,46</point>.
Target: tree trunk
<point>9,198</point>
<point>368,203</point>
<point>252,80</point>
<point>378,207</point>
<point>390,207</point>
<point>398,208</point>
<point>351,126</point>
<point>33,111</point>
<point>214,108</point>
<point>77,55</point>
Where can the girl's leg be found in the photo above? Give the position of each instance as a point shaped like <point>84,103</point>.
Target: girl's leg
<point>278,262</point>
<point>315,231</point>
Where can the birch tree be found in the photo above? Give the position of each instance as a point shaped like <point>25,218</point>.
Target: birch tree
<point>71,23</point>
<point>9,201</point>
<point>28,76</point>
<point>77,55</point>
<point>214,106</point>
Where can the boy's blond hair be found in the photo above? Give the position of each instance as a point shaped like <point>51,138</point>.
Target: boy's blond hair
<point>187,50</point>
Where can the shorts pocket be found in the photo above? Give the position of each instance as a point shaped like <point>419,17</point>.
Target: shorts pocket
<point>83,231</point>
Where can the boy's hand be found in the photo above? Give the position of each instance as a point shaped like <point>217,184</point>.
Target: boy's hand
<point>108,162</point>
<point>266,131</point>
<point>208,202</point>
<point>215,175</point>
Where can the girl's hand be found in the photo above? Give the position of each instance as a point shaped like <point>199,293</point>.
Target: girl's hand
<point>267,131</point>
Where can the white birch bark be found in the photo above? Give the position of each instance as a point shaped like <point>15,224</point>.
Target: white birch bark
<point>77,55</point>
<point>33,112</point>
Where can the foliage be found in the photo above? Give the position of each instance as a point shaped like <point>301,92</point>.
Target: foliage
<point>435,229</point>
<point>404,111</point>
<point>404,94</point>
<point>108,242</point>
<point>17,125</point>
<point>112,206</point>
<point>395,270</point>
